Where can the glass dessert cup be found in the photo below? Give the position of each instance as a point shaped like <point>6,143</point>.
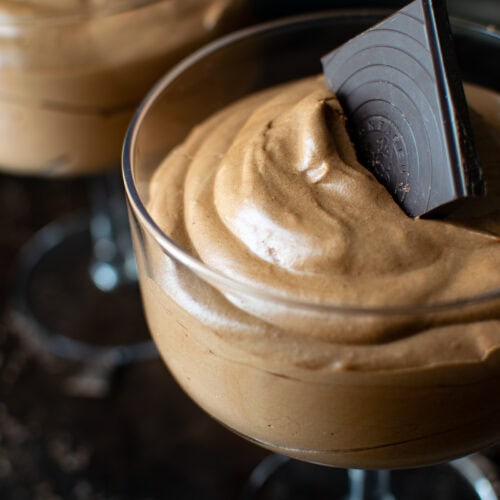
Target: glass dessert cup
<point>71,79</point>
<point>232,364</point>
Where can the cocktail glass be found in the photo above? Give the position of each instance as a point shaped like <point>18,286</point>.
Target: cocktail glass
<point>218,336</point>
<point>70,80</point>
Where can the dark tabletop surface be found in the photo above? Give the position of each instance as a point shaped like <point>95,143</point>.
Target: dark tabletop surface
<point>143,439</point>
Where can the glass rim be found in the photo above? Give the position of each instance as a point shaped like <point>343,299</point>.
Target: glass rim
<point>73,15</point>
<point>216,277</point>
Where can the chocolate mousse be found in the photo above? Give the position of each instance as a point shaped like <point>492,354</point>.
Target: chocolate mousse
<point>356,336</point>
<point>74,71</point>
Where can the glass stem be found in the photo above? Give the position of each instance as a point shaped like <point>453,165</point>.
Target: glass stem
<point>113,262</point>
<point>369,485</point>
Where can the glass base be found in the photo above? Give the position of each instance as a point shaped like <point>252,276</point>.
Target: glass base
<point>56,307</point>
<point>280,478</point>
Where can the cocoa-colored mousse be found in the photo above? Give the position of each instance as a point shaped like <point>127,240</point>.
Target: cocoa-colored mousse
<point>268,192</point>
<point>73,71</point>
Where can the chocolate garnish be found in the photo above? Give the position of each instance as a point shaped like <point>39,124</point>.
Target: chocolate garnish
<point>401,89</point>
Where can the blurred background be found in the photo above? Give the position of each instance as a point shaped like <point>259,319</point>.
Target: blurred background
<point>139,437</point>
<point>483,11</point>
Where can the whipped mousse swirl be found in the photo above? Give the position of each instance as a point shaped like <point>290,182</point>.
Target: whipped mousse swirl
<point>269,192</point>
